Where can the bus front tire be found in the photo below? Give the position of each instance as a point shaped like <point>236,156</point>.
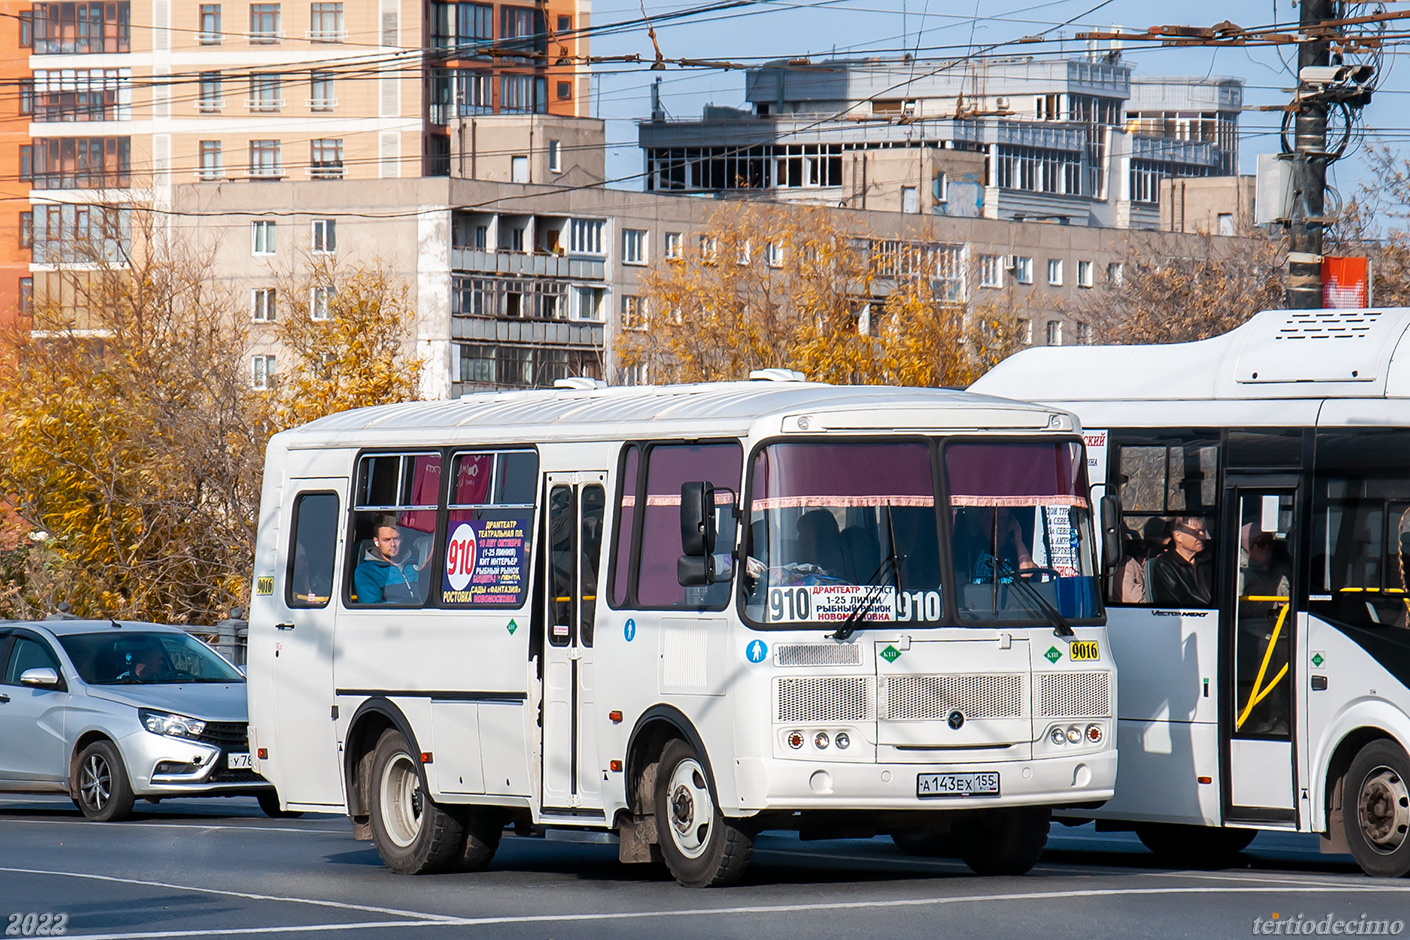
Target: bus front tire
<point>701,847</point>
<point>1376,809</point>
<point>1005,842</point>
<point>1194,846</point>
<point>414,834</point>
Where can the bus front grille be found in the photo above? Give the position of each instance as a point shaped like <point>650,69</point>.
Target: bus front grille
<point>845,698</point>
<point>818,654</point>
<point>1074,695</point>
<point>928,698</point>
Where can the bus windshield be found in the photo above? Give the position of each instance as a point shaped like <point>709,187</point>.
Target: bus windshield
<point>1021,531</point>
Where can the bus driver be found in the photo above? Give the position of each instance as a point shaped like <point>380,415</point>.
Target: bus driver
<point>382,578</point>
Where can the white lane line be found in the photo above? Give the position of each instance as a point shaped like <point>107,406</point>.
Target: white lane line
<point>143,824</point>
<point>248,895</point>
<point>433,920</point>
<point>1269,879</point>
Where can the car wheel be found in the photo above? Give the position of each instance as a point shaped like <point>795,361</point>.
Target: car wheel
<point>414,835</point>
<point>1376,809</point>
<point>1005,841</point>
<point>269,805</point>
<point>100,781</point>
<point>701,847</point>
<point>1194,846</point>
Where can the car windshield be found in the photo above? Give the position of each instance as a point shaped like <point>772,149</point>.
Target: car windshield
<point>129,657</point>
<point>1021,531</point>
<point>837,526</point>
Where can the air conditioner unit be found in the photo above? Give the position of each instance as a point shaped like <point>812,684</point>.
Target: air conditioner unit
<point>1002,102</point>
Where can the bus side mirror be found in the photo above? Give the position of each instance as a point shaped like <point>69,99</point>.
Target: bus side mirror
<point>1111,532</point>
<point>695,569</point>
<point>697,518</point>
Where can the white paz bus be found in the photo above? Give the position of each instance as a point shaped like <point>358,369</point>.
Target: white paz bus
<point>1260,616</point>
<point>673,617</point>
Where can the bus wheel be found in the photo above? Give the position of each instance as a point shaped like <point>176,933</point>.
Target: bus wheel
<point>483,827</point>
<point>1005,841</point>
<point>413,834</point>
<point>1376,809</point>
<point>701,847</point>
<point>1194,846</point>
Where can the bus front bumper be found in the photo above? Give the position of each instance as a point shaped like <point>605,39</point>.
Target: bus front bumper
<point>771,784</point>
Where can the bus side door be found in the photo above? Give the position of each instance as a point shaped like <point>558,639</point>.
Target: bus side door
<point>572,777</point>
<point>1263,623</point>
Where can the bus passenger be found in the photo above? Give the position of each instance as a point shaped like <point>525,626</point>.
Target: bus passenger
<point>1180,576</point>
<point>382,578</point>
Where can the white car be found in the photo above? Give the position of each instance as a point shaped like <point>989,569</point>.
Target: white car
<point>110,712</point>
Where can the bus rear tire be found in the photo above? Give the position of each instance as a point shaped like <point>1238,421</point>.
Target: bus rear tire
<point>1194,846</point>
<point>1376,809</point>
<point>700,846</point>
<point>483,829</point>
<point>1006,841</point>
<point>414,835</point>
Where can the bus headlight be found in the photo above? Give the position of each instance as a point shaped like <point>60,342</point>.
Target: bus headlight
<point>842,741</point>
<point>1057,737</point>
<point>821,740</point>
<point>1074,735</point>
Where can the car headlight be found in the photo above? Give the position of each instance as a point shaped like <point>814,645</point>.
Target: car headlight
<point>178,726</point>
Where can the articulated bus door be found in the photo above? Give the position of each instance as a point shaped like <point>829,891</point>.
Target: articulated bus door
<point>573,549</point>
<point>1260,648</point>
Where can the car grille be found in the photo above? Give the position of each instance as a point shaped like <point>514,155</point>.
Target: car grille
<point>226,735</point>
<point>235,776</point>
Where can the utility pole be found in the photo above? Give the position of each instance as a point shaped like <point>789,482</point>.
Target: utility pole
<point>1309,166</point>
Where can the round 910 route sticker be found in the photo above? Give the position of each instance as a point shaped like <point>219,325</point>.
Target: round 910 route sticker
<point>460,557</point>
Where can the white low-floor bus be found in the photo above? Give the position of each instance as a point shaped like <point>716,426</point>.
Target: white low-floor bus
<point>1260,484</point>
<point>669,618</point>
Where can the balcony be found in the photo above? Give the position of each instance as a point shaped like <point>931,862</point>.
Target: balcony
<point>523,264</point>
<point>210,105</point>
<point>265,104</point>
<point>321,104</point>
<point>266,37</point>
<point>327,171</point>
<point>210,39</point>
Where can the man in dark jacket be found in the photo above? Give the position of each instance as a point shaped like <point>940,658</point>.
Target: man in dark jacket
<point>382,578</point>
<point>1178,576</point>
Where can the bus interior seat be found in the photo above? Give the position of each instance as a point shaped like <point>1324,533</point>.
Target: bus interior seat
<point>819,542</point>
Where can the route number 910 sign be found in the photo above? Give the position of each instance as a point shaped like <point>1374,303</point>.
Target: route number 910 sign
<point>832,603</point>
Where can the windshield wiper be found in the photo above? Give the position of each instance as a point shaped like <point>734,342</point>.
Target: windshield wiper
<point>1061,626</point>
<point>873,585</point>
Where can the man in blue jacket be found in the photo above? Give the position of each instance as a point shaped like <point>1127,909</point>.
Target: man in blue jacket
<point>382,578</point>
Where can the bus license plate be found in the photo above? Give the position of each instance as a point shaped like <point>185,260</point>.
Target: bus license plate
<point>1084,651</point>
<point>238,762</point>
<point>980,784</point>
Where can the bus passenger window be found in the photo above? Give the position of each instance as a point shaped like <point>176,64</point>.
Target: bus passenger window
<point>594,504</point>
<point>393,528</point>
<point>311,555</point>
<point>489,518</point>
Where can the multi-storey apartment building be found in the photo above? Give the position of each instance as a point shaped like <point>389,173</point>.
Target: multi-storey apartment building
<point>125,100</point>
<point>1080,140</point>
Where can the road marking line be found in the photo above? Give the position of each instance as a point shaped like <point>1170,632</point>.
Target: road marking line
<point>142,824</point>
<point>436,920</point>
<point>248,895</point>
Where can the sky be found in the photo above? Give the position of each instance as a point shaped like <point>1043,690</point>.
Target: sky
<point>782,29</point>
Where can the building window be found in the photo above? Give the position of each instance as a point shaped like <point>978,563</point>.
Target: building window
<point>1023,270</point>
<point>264,23</point>
<point>262,237</point>
<point>519,169</point>
<point>633,246</point>
<point>265,160</point>
<point>991,271</point>
<point>212,166</point>
<point>320,92</point>
<point>565,91</point>
<point>910,200</point>
<point>26,29</point>
<point>325,159</point>
<point>263,371</point>
<point>320,303</point>
<point>26,296</point>
<point>633,312</point>
<point>264,92</point>
<point>210,97</point>
<point>1115,273</point>
<point>80,162</point>
<point>675,246</point>
<point>1226,223</point>
<point>585,236</point>
<point>325,236</point>
<point>1084,274</point>
<point>27,162</point>
<point>262,305</point>
<point>472,92</point>
<point>1054,332</point>
<point>1084,335</point>
<point>80,95</point>
<point>517,94</point>
<point>1055,272</point>
<point>326,22</point>
<point>555,156</point>
<point>709,248</point>
<point>773,254</point>
<point>210,34</point>
<point>78,28</point>
<point>1027,327</point>
<point>26,229</point>
<point>1039,170</point>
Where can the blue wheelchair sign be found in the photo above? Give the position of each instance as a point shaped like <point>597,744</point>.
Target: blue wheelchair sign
<point>756,651</point>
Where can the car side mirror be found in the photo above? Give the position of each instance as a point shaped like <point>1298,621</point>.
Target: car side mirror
<point>1111,531</point>
<point>43,677</point>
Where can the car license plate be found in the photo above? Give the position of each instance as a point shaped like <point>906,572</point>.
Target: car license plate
<point>1084,651</point>
<point>980,784</point>
<point>239,762</point>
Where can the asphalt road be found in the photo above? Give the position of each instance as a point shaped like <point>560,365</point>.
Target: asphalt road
<point>213,868</point>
